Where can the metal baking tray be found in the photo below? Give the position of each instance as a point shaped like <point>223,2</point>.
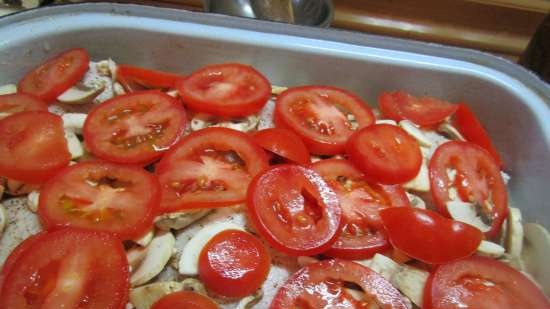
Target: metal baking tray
<point>511,102</point>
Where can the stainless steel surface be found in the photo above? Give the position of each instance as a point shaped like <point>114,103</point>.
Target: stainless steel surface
<point>301,12</point>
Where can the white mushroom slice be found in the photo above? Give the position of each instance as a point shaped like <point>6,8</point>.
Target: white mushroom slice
<point>173,93</point>
<point>3,219</point>
<point>467,213</point>
<point>246,124</point>
<point>179,220</point>
<point>421,182</point>
<point>535,253</point>
<point>146,238</point>
<point>277,90</point>
<point>415,132</point>
<point>490,249</point>
<point>514,236</point>
<point>385,266</point>
<point>159,252</point>
<point>8,89</point>
<point>135,256</point>
<point>74,122</point>
<point>266,116</point>
<point>81,94</point>
<point>416,201</point>
<point>386,121</point>
<point>411,281</point>
<point>73,144</point>
<point>118,89</point>
<point>194,285</point>
<point>249,301</point>
<point>32,200</point>
<point>188,264</point>
<point>107,68</point>
<point>145,296</point>
<point>450,131</point>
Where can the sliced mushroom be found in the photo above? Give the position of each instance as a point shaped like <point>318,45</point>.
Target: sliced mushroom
<point>535,253</point>
<point>81,94</point>
<point>118,89</point>
<point>179,220</point>
<point>145,296</point>
<point>266,116</point>
<point>159,252</point>
<point>277,90</point>
<point>514,236</point>
<point>194,285</point>
<point>450,131</point>
<point>8,89</point>
<point>188,264</point>
<point>135,256</point>
<point>416,201</point>
<point>415,132</point>
<point>467,213</point>
<point>107,68</point>
<point>73,122</point>
<point>249,301</point>
<point>3,219</point>
<point>73,144</point>
<point>146,238</point>
<point>173,93</point>
<point>490,249</point>
<point>32,200</point>
<point>421,182</point>
<point>245,124</point>
<point>411,281</point>
<point>386,121</point>
<point>385,266</point>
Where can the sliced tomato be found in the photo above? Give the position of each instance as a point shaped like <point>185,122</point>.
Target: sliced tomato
<point>32,146</point>
<point>227,90</point>
<point>321,285</point>
<point>209,168</point>
<point>481,283</point>
<point>53,77</point>
<point>20,102</point>
<point>185,300</point>
<point>429,237</point>
<point>362,233</point>
<point>134,128</point>
<point>283,143</point>
<point>470,127</point>
<point>69,269</point>
<point>424,111</point>
<point>233,264</point>
<point>385,153</point>
<point>294,209</point>
<point>135,78</point>
<point>478,180</point>
<point>101,196</point>
<point>321,116</point>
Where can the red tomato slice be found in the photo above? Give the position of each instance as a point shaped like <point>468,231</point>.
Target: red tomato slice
<point>101,196</point>
<point>284,143</point>
<point>478,181</point>
<point>53,77</point>
<point>424,111</point>
<point>185,300</point>
<point>135,78</point>
<point>230,90</point>
<point>469,126</point>
<point>234,264</point>
<point>20,102</point>
<point>16,253</point>
<point>209,168</point>
<point>385,153</point>
<point>362,233</point>
<point>294,209</point>
<point>32,146</point>
<point>320,285</point>
<point>134,128</point>
<point>481,283</point>
<point>429,237</point>
<point>66,269</point>
<point>320,116</point>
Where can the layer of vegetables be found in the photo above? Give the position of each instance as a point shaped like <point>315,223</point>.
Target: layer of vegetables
<point>128,187</point>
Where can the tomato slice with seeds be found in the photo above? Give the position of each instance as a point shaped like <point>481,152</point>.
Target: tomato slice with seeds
<point>470,127</point>
<point>385,153</point>
<point>101,196</point>
<point>482,283</point>
<point>294,209</point>
<point>69,269</point>
<point>324,117</point>
<point>134,78</point>
<point>226,90</point>
<point>53,77</point>
<point>321,285</point>
<point>134,128</point>
<point>20,102</point>
<point>32,146</point>
<point>428,236</point>
<point>185,300</point>
<point>362,233</point>
<point>424,111</point>
<point>209,168</point>
<point>233,264</point>
<point>283,143</point>
<point>478,180</point>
